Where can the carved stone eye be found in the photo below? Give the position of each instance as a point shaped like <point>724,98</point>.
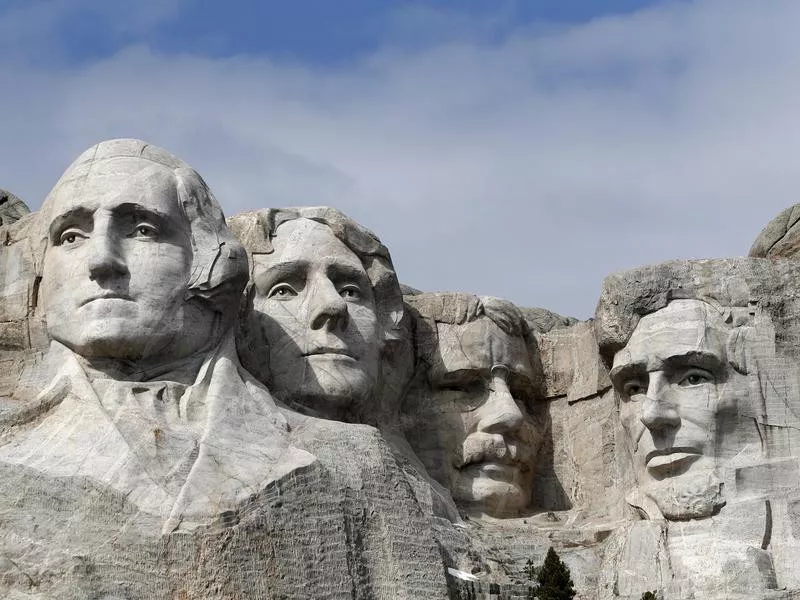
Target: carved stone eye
<point>144,229</point>
<point>282,291</point>
<point>696,377</point>
<point>70,236</point>
<point>633,388</point>
<point>350,292</point>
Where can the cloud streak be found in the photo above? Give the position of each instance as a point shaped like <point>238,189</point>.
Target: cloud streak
<point>526,167</point>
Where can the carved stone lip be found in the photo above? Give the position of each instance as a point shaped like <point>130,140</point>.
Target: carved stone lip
<point>490,457</point>
<point>497,468</point>
<point>489,460</point>
<point>656,458</point>
<point>106,296</point>
<point>328,350</point>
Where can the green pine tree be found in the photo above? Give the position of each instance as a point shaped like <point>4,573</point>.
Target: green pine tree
<point>554,580</point>
<point>649,596</point>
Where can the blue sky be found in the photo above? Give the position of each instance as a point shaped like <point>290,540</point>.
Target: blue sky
<point>519,149</point>
<point>323,33</point>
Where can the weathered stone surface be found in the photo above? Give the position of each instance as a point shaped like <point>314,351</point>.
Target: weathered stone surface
<point>193,411</point>
<point>12,209</point>
<point>469,413</point>
<point>571,362</point>
<point>703,359</point>
<point>780,238</point>
<point>325,310</point>
<point>141,458</point>
<point>19,289</point>
<point>542,320</point>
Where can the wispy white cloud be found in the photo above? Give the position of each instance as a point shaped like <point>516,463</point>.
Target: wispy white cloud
<point>528,167</point>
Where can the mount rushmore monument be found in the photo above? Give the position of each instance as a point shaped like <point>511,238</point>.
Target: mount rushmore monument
<point>255,407</point>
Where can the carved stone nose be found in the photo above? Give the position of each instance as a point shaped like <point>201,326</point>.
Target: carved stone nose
<point>105,258</point>
<point>658,414</point>
<point>328,308</point>
<point>500,412</point>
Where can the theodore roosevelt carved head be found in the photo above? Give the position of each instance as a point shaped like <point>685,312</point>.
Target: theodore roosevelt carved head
<point>468,415</point>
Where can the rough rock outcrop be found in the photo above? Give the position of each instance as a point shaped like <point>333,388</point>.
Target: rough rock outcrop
<point>780,238</point>
<point>12,209</point>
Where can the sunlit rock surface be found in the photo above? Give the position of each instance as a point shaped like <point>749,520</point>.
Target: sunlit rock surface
<point>255,408</point>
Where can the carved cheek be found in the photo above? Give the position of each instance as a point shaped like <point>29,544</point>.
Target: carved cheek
<point>365,323</point>
<point>697,405</point>
<point>63,276</point>
<point>284,322</point>
<point>630,413</point>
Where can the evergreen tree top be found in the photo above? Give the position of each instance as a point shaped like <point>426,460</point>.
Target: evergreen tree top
<point>554,579</point>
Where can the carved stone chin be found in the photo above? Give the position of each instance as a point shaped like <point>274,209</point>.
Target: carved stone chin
<point>696,497</point>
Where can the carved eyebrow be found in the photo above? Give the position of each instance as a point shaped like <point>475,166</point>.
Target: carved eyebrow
<point>265,275</point>
<point>622,372</point>
<point>345,271</point>
<point>693,358</point>
<point>84,215</point>
<point>704,360</point>
<point>77,214</point>
<point>141,211</point>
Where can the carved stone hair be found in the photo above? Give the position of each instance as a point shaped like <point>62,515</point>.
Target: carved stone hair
<point>257,228</point>
<point>629,296</point>
<point>219,263</point>
<point>459,308</point>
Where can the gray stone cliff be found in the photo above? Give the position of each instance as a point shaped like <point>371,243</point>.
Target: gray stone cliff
<point>195,408</point>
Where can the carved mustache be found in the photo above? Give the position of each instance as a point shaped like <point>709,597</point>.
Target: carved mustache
<point>484,447</point>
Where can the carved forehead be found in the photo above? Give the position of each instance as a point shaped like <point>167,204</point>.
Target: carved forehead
<point>477,346</point>
<point>306,240</point>
<point>112,181</point>
<point>682,328</point>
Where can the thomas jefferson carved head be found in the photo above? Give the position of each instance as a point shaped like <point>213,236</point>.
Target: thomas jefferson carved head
<point>325,301</point>
<point>138,263</point>
<point>468,414</point>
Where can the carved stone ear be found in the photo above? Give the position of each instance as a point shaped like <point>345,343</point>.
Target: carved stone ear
<point>736,349</point>
<point>219,262</point>
<point>752,339</point>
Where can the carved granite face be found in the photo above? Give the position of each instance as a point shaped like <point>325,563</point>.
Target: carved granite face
<point>318,311</point>
<point>471,426</point>
<point>117,265</point>
<point>675,384</point>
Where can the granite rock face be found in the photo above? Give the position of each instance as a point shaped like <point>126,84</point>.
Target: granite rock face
<point>256,408</point>
<point>703,359</point>
<point>781,236</point>
<point>12,209</point>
